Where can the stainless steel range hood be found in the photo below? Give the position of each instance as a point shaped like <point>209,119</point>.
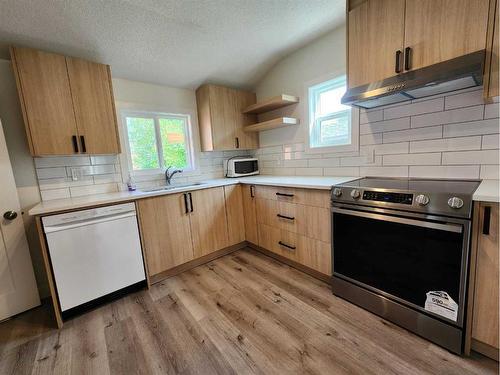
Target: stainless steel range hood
<point>459,73</point>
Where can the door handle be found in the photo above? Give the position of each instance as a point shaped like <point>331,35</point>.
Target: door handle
<point>252,192</point>
<point>407,58</point>
<point>9,215</point>
<point>82,142</point>
<point>75,144</point>
<point>237,142</point>
<point>191,202</point>
<point>186,203</point>
<point>486,220</point>
<point>398,61</point>
<point>287,246</point>
<point>285,217</point>
<point>284,195</point>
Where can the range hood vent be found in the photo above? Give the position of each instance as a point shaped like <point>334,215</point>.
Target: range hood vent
<point>459,73</point>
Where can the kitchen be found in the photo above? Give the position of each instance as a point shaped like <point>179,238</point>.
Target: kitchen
<point>321,198</point>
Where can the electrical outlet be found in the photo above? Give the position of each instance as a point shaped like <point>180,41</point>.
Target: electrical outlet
<point>76,174</point>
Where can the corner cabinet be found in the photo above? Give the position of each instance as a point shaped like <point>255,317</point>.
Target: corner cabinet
<point>388,37</point>
<point>67,104</point>
<point>221,120</point>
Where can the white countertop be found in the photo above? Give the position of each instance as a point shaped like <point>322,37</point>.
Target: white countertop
<point>57,205</point>
<point>488,191</point>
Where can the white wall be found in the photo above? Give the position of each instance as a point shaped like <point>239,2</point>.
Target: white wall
<point>448,136</point>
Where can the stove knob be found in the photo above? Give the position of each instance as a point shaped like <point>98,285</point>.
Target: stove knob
<point>455,202</point>
<point>422,200</point>
<point>355,193</point>
<point>337,192</point>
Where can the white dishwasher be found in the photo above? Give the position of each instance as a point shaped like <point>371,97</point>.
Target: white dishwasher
<point>94,252</point>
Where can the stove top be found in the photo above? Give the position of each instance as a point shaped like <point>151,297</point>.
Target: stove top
<point>432,196</point>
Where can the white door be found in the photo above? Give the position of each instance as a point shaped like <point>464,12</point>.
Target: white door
<point>18,290</point>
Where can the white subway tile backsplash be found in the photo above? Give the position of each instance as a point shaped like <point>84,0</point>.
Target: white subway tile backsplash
<point>490,172</point>
<point>448,117</point>
<point>44,173</point>
<point>93,189</point>
<point>103,159</point>
<point>490,126</point>
<point>413,134</point>
<point>470,157</point>
<point>446,144</point>
<point>341,171</point>
<point>385,126</point>
<point>370,139</point>
<point>490,141</point>
<point>384,171</point>
<point>491,111</point>
<point>107,178</point>
<point>52,194</point>
<point>309,171</point>
<point>464,99</point>
<point>413,109</point>
<point>372,116</point>
<point>63,182</point>
<point>413,159</point>
<point>61,161</point>
<point>324,163</point>
<point>387,148</point>
<point>92,170</point>
<point>462,171</point>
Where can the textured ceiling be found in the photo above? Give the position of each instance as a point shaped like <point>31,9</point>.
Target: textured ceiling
<point>180,43</point>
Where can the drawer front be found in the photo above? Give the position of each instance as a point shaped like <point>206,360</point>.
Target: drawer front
<point>309,252</point>
<point>313,222</point>
<point>309,197</point>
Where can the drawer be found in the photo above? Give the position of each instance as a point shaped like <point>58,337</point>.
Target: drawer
<point>309,252</point>
<point>310,197</point>
<point>313,222</point>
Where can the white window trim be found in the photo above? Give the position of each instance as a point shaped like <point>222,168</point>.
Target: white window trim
<point>353,147</point>
<point>124,113</point>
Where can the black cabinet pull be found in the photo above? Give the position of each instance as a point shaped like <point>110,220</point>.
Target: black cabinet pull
<point>82,142</point>
<point>486,220</point>
<point>285,245</point>
<point>407,58</point>
<point>75,143</point>
<point>191,202</point>
<point>284,195</point>
<point>186,203</point>
<point>398,61</point>
<point>252,192</point>
<point>285,217</point>
<point>237,140</point>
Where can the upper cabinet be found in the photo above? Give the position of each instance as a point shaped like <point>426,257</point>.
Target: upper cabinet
<point>67,104</point>
<point>491,80</point>
<point>388,37</point>
<point>375,41</point>
<point>221,119</point>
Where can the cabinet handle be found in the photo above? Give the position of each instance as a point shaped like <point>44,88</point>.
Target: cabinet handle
<point>285,217</point>
<point>237,142</point>
<point>284,195</point>
<point>285,245</point>
<point>186,203</point>
<point>252,191</point>
<point>82,142</point>
<point>398,61</point>
<point>75,144</point>
<point>191,202</point>
<point>407,58</point>
<point>486,220</point>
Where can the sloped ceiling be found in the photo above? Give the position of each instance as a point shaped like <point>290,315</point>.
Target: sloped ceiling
<point>181,43</point>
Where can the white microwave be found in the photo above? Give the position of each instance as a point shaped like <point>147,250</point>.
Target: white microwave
<point>239,167</point>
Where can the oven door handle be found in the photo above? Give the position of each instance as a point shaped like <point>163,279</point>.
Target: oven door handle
<point>394,219</point>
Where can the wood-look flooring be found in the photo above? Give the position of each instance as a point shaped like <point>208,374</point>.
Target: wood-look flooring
<point>243,313</point>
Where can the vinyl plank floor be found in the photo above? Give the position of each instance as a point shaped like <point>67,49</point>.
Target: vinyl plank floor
<point>244,313</point>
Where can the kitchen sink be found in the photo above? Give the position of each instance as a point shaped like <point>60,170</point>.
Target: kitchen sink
<point>173,187</point>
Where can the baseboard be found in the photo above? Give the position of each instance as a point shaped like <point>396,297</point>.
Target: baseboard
<point>196,262</point>
<point>312,272</point>
<point>485,349</point>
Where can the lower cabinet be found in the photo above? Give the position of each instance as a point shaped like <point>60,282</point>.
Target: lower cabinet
<point>485,302</point>
<point>234,212</point>
<point>250,213</point>
<point>166,232</point>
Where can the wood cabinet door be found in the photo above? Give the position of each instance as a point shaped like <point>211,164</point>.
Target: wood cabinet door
<point>208,221</point>
<point>93,101</point>
<point>44,91</point>
<point>234,212</point>
<point>485,311</point>
<point>492,52</point>
<point>245,140</point>
<point>166,232</point>
<point>375,33</point>
<point>221,117</point>
<point>439,30</point>
<point>250,214</point>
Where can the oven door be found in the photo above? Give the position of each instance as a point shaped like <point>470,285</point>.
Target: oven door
<point>402,256</point>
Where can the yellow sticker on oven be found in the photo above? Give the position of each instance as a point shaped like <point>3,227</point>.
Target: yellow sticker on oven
<point>440,303</point>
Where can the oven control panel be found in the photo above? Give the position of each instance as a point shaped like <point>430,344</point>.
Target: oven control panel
<point>382,196</point>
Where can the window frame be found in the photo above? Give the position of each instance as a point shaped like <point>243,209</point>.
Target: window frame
<point>309,113</point>
<point>156,116</point>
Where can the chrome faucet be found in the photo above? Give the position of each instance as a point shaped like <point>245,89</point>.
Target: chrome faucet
<point>169,175</point>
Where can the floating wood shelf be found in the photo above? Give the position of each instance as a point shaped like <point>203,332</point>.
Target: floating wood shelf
<point>272,103</point>
<point>279,122</point>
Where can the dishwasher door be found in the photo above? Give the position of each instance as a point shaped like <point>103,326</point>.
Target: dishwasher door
<point>94,252</point>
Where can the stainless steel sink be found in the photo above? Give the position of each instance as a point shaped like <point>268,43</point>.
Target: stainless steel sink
<point>173,187</point>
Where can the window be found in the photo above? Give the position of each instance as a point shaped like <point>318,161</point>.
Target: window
<point>156,141</point>
<point>330,122</point>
